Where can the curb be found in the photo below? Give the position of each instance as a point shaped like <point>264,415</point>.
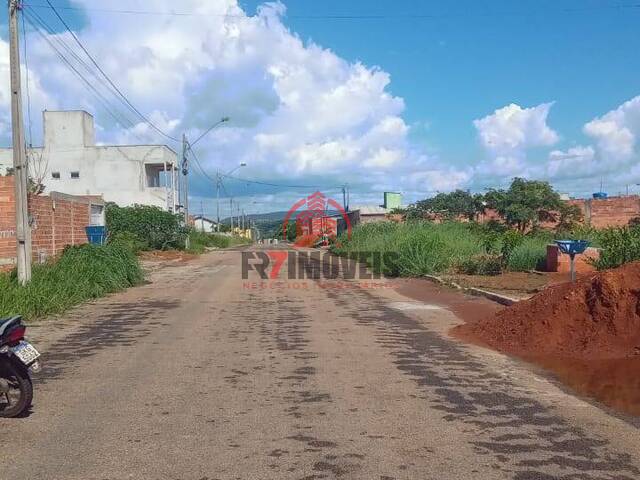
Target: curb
<point>495,297</point>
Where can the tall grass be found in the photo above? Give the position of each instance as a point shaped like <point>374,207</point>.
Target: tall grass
<point>429,248</point>
<point>81,273</point>
<point>421,247</point>
<point>530,255</point>
<point>199,241</point>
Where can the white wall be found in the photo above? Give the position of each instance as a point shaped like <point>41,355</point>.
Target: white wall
<point>116,172</point>
<point>198,225</point>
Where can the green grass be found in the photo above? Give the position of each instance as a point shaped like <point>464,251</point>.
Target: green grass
<point>82,273</point>
<point>422,247</point>
<point>199,241</point>
<point>430,248</point>
<point>530,255</point>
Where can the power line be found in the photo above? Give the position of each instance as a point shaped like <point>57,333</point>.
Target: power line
<point>258,182</point>
<point>26,72</point>
<point>101,99</point>
<point>126,100</point>
<point>360,16</point>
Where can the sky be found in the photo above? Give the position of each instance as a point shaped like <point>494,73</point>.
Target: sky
<point>415,97</point>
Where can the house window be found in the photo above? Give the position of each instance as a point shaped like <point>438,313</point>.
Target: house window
<point>75,174</point>
<point>55,175</point>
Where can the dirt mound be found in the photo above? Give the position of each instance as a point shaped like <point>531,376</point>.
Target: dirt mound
<point>597,317</point>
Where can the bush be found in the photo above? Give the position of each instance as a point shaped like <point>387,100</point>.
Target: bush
<point>530,254</point>
<point>618,246</point>
<point>481,265</point>
<point>199,241</point>
<point>81,273</point>
<point>129,240</point>
<point>152,227</point>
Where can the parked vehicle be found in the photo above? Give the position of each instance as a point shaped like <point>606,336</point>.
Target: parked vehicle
<point>17,359</point>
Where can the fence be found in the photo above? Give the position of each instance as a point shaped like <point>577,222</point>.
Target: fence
<point>57,220</point>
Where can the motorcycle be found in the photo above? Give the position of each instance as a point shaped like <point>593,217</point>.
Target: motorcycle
<point>17,359</point>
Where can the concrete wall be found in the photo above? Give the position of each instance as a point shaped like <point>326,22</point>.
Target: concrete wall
<point>121,174</point>
<point>58,220</point>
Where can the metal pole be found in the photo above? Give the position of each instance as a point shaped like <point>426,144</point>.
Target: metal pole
<point>218,201</point>
<point>231,212</point>
<point>573,268</point>
<point>23,229</point>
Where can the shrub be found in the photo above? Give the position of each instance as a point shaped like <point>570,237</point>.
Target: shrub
<point>618,246</point>
<point>510,241</point>
<point>152,227</point>
<point>81,273</point>
<point>199,241</point>
<point>481,265</point>
<point>530,254</point>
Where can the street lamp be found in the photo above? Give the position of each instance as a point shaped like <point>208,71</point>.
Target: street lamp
<point>218,184</point>
<point>186,145</point>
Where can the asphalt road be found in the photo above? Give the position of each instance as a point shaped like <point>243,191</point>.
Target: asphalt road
<point>199,375</point>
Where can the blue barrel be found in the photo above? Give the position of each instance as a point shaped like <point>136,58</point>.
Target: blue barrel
<point>96,235</point>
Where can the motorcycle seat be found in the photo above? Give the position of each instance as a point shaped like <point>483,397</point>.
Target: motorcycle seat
<point>7,322</point>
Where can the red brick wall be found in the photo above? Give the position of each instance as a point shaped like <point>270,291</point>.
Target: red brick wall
<point>609,212</point>
<point>599,213</point>
<point>58,220</point>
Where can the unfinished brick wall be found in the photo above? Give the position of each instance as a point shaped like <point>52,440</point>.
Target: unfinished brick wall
<point>58,220</point>
<point>609,212</point>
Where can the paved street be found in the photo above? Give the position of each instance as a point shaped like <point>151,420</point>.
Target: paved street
<point>197,376</point>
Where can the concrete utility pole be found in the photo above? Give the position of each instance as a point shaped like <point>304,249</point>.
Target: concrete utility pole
<point>23,229</point>
<point>231,210</point>
<point>218,201</point>
<point>185,173</point>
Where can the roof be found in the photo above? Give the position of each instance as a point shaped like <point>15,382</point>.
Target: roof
<point>206,219</point>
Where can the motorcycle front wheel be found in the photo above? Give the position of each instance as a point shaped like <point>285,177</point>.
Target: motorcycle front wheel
<point>16,389</point>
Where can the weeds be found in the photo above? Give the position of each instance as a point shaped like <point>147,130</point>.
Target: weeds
<point>81,273</point>
<point>200,241</point>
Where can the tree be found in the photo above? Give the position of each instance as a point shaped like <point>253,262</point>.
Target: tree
<point>451,205</point>
<point>526,203</point>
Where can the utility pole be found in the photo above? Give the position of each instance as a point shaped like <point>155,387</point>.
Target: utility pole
<point>185,173</point>
<point>231,212</point>
<point>218,200</point>
<point>23,229</point>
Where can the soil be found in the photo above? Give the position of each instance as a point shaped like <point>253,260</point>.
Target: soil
<point>587,334</point>
<point>597,317</point>
<point>165,255</point>
<point>519,285</point>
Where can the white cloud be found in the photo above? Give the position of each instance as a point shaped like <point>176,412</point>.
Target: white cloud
<point>297,109</point>
<point>513,128</point>
<point>616,132</point>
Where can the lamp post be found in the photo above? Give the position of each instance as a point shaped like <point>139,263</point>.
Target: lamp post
<point>186,145</point>
<point>218,185</point>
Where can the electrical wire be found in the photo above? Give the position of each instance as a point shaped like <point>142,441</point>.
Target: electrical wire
<point>119,92</point>
<point>97,94</point>
<point>26,72</point>
<point>408,16</point>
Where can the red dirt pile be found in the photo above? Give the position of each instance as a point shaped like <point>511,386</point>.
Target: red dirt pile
<point>598,317</point>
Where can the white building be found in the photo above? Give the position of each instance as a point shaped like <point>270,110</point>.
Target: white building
<point>204,224</point>
<point>70,162</point>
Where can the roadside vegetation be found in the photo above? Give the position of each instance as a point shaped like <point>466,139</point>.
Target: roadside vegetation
<point>200,241</point>
<point>144,228</point>
<point>443,235</point>
<point>81,273</point>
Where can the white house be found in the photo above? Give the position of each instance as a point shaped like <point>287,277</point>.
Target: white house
<point>70,162</point>
<point>204,224</point>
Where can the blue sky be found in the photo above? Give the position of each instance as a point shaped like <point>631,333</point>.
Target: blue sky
<point>481,55</point>
<point>435,95</point>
